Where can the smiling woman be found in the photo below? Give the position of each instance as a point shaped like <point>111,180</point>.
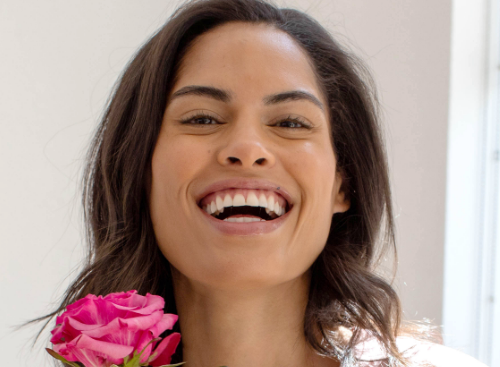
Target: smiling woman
<point>239,172</point>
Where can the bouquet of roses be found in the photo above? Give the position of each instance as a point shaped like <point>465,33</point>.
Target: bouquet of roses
<point>118,330</point>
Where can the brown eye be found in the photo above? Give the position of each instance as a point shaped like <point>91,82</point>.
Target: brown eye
<point>293,123</point>
<point>203,121</point>
<point>289,124</point>
<point>200,120</point>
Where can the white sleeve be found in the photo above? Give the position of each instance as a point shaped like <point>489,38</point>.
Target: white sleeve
<point>421,352</point>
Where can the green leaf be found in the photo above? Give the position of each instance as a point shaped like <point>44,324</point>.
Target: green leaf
<point>173,365</point>
<point>134,362</point>
<point>61,358</point>
<point>136,358</point>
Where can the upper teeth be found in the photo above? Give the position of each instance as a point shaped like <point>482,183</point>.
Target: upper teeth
<point>257,199</point>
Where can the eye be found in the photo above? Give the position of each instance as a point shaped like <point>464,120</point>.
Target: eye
<point>293,123</point>
<point>200,119</point>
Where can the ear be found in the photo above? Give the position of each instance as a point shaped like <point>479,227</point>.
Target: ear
<point>340,200</point>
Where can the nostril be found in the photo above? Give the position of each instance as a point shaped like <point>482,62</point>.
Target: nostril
<point>260,160</point>
<point>233,159</point>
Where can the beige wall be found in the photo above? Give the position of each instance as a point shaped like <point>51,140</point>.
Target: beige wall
<point>59,61</point>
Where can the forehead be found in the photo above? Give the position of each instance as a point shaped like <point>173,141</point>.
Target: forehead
<point>249,59</point>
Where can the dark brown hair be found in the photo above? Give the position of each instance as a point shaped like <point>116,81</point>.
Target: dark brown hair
<point>346,297</point>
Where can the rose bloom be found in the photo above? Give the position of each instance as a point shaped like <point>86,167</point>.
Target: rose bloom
<point>101,331</point>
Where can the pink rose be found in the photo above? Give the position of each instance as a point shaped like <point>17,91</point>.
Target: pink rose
<point>101,331</point>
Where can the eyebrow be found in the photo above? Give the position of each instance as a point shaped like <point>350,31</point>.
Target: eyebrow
<point>199,90</point>
<point>226,96</point>
<point>293,95</point>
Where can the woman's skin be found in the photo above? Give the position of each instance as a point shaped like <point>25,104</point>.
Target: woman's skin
<point>241,293</point>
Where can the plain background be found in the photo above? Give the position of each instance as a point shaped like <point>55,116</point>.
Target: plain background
<point>59,62</point>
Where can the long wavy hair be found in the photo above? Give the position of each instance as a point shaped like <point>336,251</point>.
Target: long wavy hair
<point>346,298</point>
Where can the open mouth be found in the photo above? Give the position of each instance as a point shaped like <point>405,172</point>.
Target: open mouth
<point>238,205</point>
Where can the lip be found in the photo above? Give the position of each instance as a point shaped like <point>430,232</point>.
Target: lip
<point>250,228</point>
<point>245,183</point>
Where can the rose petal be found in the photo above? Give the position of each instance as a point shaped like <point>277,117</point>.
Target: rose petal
<point>132,324</point>
<point>163,353</point>
<point>90,359</point>
<point>154,301</point>
<point>96,328</point>
<point>144,340</point>
<point>113,352</point>
<point>144,310</point>
<point>79,303</point>
<point>88,313</point>
<point>65,332</point>
<point>139,304</point>
<point>80,326</point>
<point>118,295</point>
<point>108,311</point>
<point>74,307</point>
<point>124,335</point>
<point>128,299</point>
<point>63,350</point>
<point>57,334</point>
<point>166,323</point>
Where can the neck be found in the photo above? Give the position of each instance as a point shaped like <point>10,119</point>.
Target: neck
<point>259,327</point>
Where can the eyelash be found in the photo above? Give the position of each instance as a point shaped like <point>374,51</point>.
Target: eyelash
<point>297,120</point>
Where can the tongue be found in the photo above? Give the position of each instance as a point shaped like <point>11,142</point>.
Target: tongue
<point>244,216</point>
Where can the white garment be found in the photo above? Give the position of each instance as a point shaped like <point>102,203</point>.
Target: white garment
<point>421,353</point>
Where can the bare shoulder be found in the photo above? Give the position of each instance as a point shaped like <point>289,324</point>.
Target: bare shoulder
<point>423,352</point>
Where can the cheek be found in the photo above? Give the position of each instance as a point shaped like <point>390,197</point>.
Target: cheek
<point>175,161</point>
<point>313,167</point>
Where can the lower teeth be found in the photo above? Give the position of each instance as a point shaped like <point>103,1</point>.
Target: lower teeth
<point>243,219</point>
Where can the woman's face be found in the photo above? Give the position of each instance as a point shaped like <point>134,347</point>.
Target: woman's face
<point>246,127</point>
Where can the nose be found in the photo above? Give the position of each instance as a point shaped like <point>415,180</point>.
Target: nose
<point>245,147</point>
